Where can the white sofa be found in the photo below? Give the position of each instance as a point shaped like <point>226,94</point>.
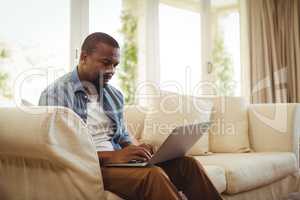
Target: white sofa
<point>46,153</point>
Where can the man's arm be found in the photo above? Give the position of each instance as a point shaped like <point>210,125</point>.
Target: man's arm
<point>124,155</point>
<point>125,139</point>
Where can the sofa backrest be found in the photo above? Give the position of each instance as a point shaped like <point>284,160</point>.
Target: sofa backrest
<point>229,131</point>
<point>134,116</point>
<point>274,127</point>
<point>170,110</point>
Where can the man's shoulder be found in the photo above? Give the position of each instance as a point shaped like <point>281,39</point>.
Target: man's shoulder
<point>59,85</point>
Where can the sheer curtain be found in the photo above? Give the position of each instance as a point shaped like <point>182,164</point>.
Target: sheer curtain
<point>274,27</point>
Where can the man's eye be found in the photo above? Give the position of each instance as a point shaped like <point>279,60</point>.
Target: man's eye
<point>104,62</point>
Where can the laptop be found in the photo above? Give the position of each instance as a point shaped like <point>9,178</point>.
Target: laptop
<point>177,144</point>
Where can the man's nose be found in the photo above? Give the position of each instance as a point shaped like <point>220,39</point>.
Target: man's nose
<point>110,69</point>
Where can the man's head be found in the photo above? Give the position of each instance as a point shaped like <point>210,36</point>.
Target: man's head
<point>100,54</point>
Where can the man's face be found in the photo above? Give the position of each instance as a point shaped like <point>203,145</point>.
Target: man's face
<point>101,63</point>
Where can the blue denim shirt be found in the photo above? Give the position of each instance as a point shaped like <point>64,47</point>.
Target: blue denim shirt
<point>68,91</point>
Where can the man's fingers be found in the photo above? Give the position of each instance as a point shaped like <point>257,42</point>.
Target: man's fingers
<point>141,148</point>
<point>147,152</point>
<point>148,147</point>
<point>151,148</point>
<point>143,153</point>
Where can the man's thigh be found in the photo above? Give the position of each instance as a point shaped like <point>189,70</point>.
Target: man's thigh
<point>126,181</point>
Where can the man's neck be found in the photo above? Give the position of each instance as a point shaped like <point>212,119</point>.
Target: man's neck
<point>83,77</point>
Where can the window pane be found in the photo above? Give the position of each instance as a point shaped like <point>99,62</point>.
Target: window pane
<point>35,35</point>
<point>226,52</point>
<point>180,49</point>
<point>229,24</point>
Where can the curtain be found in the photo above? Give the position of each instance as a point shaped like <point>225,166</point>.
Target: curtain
<point>274,34</point>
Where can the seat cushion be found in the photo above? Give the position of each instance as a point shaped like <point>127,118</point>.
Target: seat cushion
<point>112,196</point>
<point>217,176</point>
<point>247,171</point>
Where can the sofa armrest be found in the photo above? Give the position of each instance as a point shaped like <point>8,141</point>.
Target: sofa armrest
<point>49,151</point>
<point>274,127</point>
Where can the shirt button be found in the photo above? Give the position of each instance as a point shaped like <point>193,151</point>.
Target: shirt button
<point>86,98</point>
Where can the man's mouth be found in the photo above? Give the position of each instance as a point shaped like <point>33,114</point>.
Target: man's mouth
<point>107,77</point>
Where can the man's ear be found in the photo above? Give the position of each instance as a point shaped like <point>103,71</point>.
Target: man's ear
<point>83,56</point>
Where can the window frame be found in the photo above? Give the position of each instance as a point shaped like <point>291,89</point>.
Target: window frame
<point>79,23</point>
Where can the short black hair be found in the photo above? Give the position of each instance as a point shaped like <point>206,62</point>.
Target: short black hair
<point>90,42</point>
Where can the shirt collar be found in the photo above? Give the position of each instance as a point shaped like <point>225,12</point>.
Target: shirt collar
<point>75,78</point>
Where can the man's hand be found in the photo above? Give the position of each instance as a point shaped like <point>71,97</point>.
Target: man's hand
<point>149,147</point>
<point>131,152</point>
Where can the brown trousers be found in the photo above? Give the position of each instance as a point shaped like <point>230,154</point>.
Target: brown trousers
<point>161,182</point>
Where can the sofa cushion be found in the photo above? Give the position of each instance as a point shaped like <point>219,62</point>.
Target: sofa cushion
<point>229,131</point>
<point>112,196</point>
<point>247,171</point>
<point>171,110</point>
<point>217,176</point>
<point>134,116</point>
<point>273,127</point>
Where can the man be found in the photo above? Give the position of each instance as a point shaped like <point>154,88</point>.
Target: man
<point>86,91</point>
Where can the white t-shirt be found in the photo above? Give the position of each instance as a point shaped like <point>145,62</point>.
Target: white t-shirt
<point>100,126</point>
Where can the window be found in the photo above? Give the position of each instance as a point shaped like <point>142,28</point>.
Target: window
<point>39,42</point>
<point>191,38</point>
<point>180,49</point>
<point>34,36</point>
<point>176,39</point>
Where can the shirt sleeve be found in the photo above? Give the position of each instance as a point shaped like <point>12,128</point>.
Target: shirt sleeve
<point>125,136</point>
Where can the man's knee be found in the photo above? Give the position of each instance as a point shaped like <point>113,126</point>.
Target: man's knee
<point>156,173</point>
